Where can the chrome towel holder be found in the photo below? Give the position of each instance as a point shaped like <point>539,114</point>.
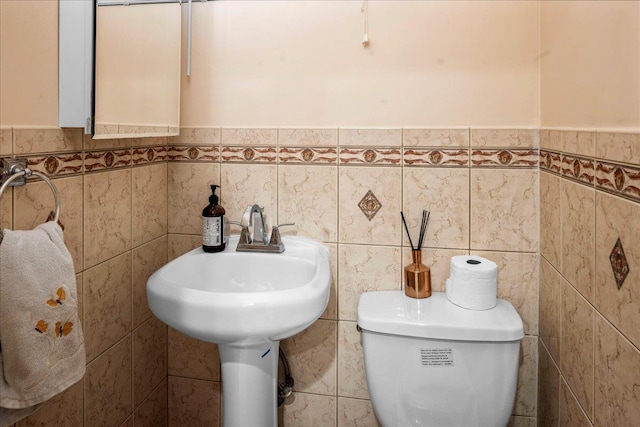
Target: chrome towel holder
<point>14,172</point>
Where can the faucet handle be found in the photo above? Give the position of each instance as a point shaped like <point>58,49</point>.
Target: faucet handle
<point>286,224</point>
<point>244,234</point>
<point>276,239</point>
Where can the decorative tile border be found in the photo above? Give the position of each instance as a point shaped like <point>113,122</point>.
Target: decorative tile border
<point>551,161</point>
<point>621,180</point>
<point>371,156</point>
<point>436,157</point>
<point>578,168</point>
<point>193,153</point>
<point>146,155</point>
<point>366,148</point>
<point>249,154</point>
<point>508,158</point>
<point>55,165</point>
<point>422,148</point>
<point>63,164</point>
<point>308,155</point>
<point>101,160</point>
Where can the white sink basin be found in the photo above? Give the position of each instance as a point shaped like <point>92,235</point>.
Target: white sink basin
<point>245,302</point>
<point>241,297</point>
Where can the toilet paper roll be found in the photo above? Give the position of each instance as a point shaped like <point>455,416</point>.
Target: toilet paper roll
<point>472,282</point>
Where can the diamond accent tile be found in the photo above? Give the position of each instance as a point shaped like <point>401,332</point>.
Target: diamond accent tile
<point>619,263</point>
<point>370,205</point>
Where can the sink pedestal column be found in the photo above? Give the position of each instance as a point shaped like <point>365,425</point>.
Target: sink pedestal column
<point>249,384</point>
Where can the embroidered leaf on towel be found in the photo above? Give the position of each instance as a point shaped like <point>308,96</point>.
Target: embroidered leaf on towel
<point>63,330</point>
<point>60,296</point>
<point>41,326</point>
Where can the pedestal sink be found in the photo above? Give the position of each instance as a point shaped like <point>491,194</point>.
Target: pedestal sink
<point>246,302</point>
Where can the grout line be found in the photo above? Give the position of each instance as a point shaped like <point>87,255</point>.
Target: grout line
<point>470,201</point>
<point>277,161</point>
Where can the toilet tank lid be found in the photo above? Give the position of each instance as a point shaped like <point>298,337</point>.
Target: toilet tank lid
<point>391,312</point>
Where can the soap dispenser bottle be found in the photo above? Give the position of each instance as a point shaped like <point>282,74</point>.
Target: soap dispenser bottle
<point>213,238</point>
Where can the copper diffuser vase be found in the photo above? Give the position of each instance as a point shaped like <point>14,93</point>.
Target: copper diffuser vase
<point>417,277</point>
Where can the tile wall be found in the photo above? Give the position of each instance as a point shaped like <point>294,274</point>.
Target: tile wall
<point>114,210</point>
<point>589,358</point>
<point>345,188</point>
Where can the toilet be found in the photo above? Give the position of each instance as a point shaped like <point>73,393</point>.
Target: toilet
<point>431,363</point>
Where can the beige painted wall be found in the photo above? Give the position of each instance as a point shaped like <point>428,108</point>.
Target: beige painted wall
<point>29,62</point>
<point>285,63</point>
<point>590,68</point>
<point>429,63</point>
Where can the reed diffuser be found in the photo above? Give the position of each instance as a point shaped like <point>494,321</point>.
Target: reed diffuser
<point>417,276</point>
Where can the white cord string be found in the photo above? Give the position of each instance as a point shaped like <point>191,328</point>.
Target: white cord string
<point>189,40</point>
<point>365,10</point>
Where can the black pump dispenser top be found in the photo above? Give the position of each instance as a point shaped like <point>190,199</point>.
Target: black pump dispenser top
<point>213,198</point>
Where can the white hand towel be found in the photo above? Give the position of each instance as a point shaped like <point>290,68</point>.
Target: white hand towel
<point>41,341</point>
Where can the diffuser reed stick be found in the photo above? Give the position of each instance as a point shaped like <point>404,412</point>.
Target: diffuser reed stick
<point>423,227</point>
<point>404,221</point>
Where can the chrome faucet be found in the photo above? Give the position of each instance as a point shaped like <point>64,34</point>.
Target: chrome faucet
<point>258,241</point>
<point>253,216</point>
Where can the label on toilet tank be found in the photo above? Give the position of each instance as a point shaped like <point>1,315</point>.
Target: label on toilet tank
<point>436,357</point>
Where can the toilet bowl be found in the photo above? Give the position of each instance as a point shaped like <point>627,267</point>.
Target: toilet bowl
<point>431,363</point>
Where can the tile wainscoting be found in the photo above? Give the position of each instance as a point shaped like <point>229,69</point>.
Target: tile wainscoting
<point>114,210</point>
<point>589,276</point>
<point>346,188</point>
<point>130,205</point>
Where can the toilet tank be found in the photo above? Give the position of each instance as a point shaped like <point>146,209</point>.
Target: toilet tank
<point>431,363</point>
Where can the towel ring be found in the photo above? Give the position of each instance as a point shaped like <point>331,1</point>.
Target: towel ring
<point>18,172</point>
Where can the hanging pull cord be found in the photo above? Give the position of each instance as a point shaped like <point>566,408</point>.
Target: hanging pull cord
<point>284,389</point>
<point>365,10</point>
